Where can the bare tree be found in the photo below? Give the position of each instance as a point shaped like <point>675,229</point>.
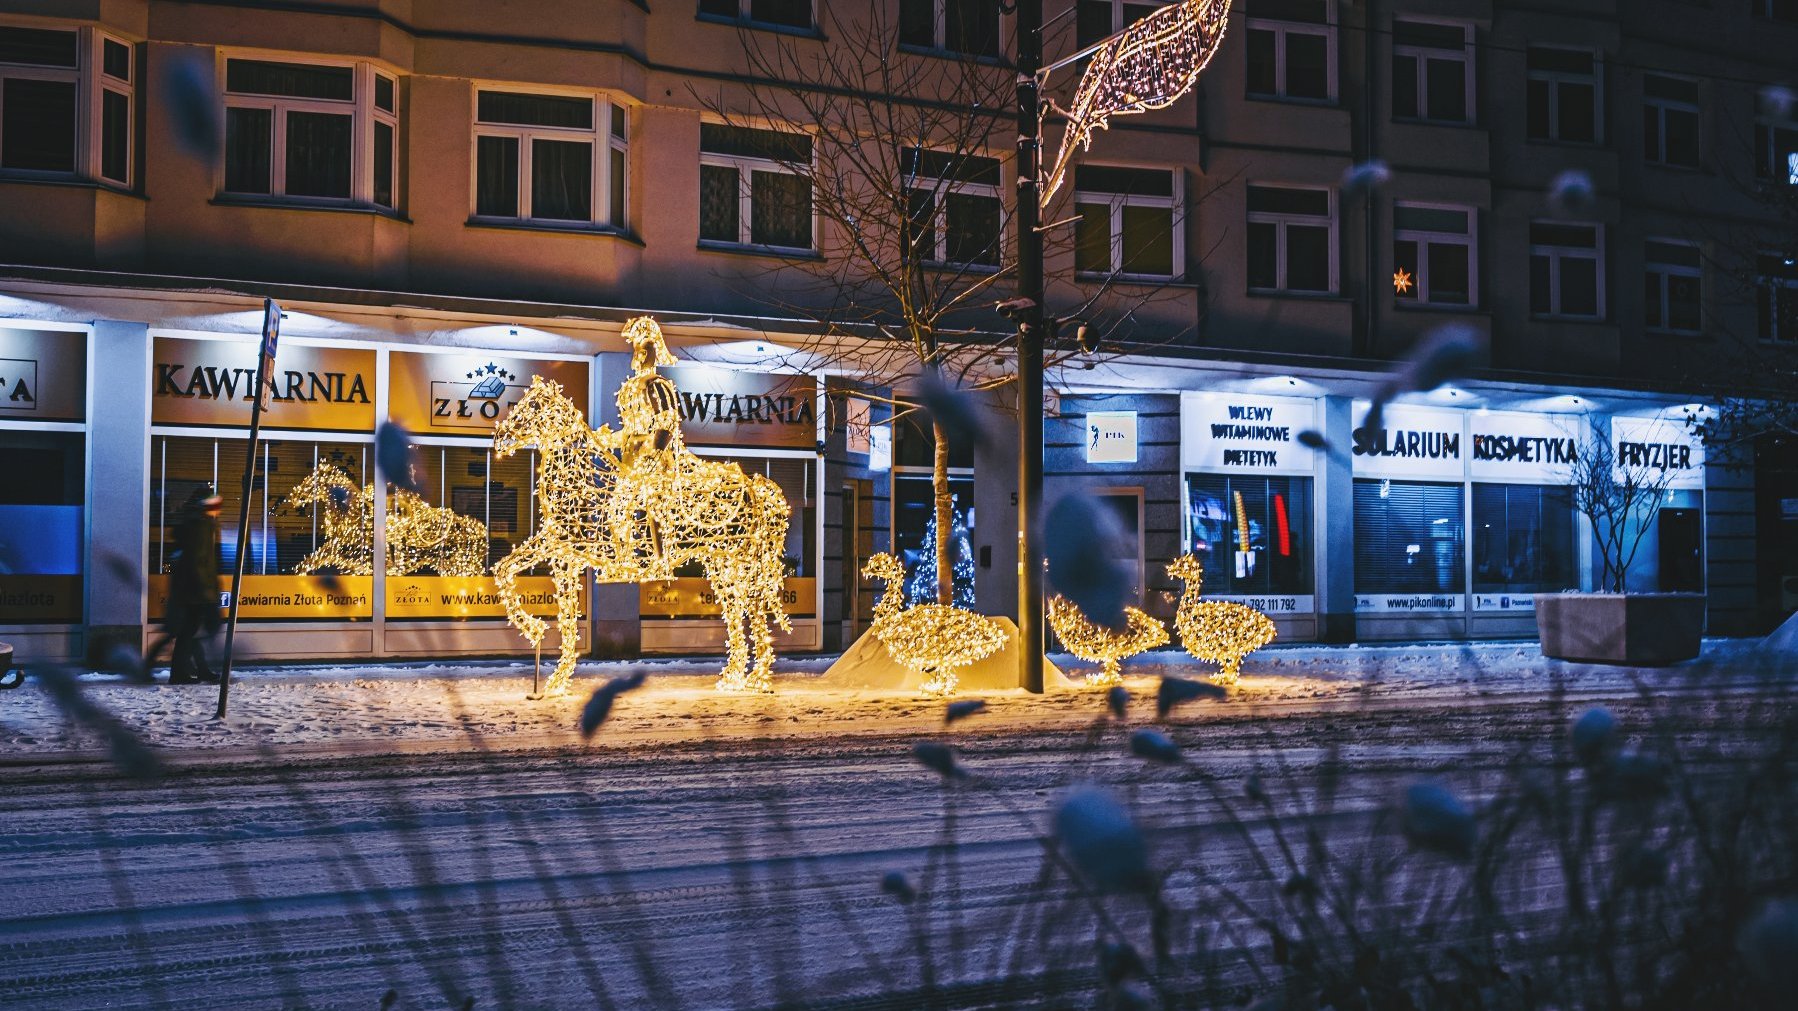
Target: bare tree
<point>1618,497</point>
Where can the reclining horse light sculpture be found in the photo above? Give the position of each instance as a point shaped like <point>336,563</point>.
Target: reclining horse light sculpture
<point>650,506</point>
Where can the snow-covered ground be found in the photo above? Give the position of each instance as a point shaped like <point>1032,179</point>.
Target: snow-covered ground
<point>434,706</point>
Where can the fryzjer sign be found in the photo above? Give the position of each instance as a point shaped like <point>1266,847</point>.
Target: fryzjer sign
<point>202,381</point>
<point>1513,446</point>
<point>467,392</point>
<point>1230,433</point>
<point>43,375</point>
<point>1659,445</point>
<point>1412,442</point>
<point>722,407</point>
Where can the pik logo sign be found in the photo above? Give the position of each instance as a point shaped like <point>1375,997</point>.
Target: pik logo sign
<point>18,384</point>
<point>478,400</point>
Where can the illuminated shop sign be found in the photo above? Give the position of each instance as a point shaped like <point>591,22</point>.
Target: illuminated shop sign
<point>1110,437</point>
<point>43,375</point>
<point>467,392</point>
<point>722,407</point>
<point>1424,442</point>
<point>1232,433</point>
<point>203,381</point>
<point>1512,446</point>
<point>1659,446</point>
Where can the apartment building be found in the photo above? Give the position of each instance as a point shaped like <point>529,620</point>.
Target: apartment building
<point>449,198</point>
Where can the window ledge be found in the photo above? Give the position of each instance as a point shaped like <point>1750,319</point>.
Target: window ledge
<point>1589,145</point>
<point>1588,320</point>
<point>1316,103</point>
<point>75,182</point>
<point>775,252</point>
<point>1687,335</point>
<point>951,267</point>
<point>951,54</point>
<point>1140,280</point>
<point>554,227</point>
<point>276,203</point>
<point>809,32</point>
<point>1301,296</point>
<point>1670,167</point>
<point>1452,124</point>
<point>1439,307</point>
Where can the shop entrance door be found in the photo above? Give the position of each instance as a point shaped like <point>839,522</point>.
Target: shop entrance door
<point>858,544</point>
<point>1680,537</point>
<point>1127,505</point>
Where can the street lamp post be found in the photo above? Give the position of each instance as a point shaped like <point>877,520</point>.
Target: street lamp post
<point>1029,21</point>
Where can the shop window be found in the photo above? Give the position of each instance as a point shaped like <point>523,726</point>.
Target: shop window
<point>1670,121</point>
<point>1100,19</point>
<point>1291,48</point>
<point>1253,534</point>
<point>781,13</point>
<point>1523,539</point>
<point>1432,72</point>
<point>495,494</point>
<point>54,82</point>
<point>41,526</point>
<point>1566,270</point>
<point>1291,240</point>
<point>1128,222</point>
<point>1435,250</point>
<point>914,536</point>
<point>1776,298</point>
<point>1408,537</point>
<point>1563,98</point>
<point>966,27</point>
<point>310,132</point>
<point>1671,287</point>
<point>1776,151</point>
<point>755,187</point>
<point>955,205</point>
<point>558,159</point>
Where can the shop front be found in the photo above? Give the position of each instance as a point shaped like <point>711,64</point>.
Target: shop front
<point>43,488</point>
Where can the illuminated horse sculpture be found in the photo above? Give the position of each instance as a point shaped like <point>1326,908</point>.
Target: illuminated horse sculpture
<point>650,507</point>
<point>419,535</point>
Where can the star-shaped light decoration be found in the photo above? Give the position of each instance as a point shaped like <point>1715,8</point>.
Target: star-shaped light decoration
<point>1401,281</point>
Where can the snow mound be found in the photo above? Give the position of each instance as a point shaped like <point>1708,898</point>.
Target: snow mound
<point>868,666</point>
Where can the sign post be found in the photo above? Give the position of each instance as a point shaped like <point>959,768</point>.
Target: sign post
<point>265,381</point>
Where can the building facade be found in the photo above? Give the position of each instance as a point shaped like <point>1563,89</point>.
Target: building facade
<point>447,206</point>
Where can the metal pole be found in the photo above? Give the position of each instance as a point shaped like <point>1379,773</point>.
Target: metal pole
<point>264,362</point>
<point>1029,21</point>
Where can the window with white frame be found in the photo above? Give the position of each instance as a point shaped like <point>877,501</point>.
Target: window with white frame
<point>1672,282</point>
<point>1291,239</point>
<point>1776,298</point>
<point>1097,19</point>
<point>1291,47</point>
<point>1776,150</point>
<point>1432,71</point>
<point>556,159</point>
<point>1435,256</point>
<point>1127,222</point>
<point>1566,270</point>
<point>755,187</point>
<point>319,132</point>
<point>1670,120</point>
<point>955,205</point>
<point>968,27</point>
<point>780,13</point>
<point>1563,99</point>
<point>67,98</point>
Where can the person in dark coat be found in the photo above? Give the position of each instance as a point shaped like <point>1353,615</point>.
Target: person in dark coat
<point>192,615</point>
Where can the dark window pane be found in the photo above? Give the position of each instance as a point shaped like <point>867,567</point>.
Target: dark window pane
<point>1307,65</point>
<point>1677,253</point>
<point>1307,258</point>
<point>248,150</point>
<point>1148,241</point>
<point>1671,88</point>
<point>561,180</point>
<point>1651,132</point>
<point>496,176</point>
<point>1682,138</point>
<point>719,204</point>
<point>1273,514</point>
<point>1579,112</point>
<point>1573,236</point>
<point>920,210</point>
<point>1092,238</point>
<point>1314,11</point>
<point>384,93</point>
<point>318,155</point>
<point>746,142</point>
<point>535,110</point>
<point>1566,61</point>
<point>1408,537</point>
<point>296,80</point>
<point>792,13</point>
<point>37,125</point>
<point>973,229</point>
<point>1423,35</point>
<point>1540,301</point>
<point>917,23</point>
<point>971,26</point>
<point>719,8</point>
<point>620,121</point>
<point>1281,200</point>
<point>1523,537</point>
<point>1264,257</point>
<point>1404,87</point>
<point>1579,286</point>
<point>115,59</point>
<point>1093,22</point>
<point>1404,257</point>
<point>115,136</point>
<point>383,165</point>
<point>1124,181</point>
<point>617,189</point>
<point>37,47</point>
<point>1536,101</point>
<point>1429,219</point>
<point>780,210</point>
<point>1449,274</point>
<point>1651,299</point>
<point>1682,302</point>
<point>1261,67</point>
<point>1447,86</point>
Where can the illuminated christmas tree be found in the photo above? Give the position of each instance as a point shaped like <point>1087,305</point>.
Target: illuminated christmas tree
<point>920,587</point>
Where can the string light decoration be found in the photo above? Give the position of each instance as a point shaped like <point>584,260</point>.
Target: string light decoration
<point>1106,647</point>
<point>649,507</point>
<point>935,640</point>
<point>419,536</point>
<point>1220,631</point>
<point>1147,66</point>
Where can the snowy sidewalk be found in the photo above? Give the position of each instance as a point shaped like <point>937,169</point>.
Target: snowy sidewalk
<point>434,706</point>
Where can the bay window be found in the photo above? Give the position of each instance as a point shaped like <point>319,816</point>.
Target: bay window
<point>310,132</point>
<point>557,159</point>
<point>67,98</point>
<point>1097,19</point>
<point>778,13</point>
<point>1128,222</point>
<point>965,27</point>
<point>755,187</point>
<point>955,205</point>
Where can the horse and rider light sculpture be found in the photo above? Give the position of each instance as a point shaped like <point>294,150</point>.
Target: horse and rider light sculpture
<point>419,536</point>
<point>636,505</point>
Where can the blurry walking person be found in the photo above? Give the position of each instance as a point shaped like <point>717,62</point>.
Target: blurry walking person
<point>192,614</point>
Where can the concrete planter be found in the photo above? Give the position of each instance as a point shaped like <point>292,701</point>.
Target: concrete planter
<point>1639,629</point>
